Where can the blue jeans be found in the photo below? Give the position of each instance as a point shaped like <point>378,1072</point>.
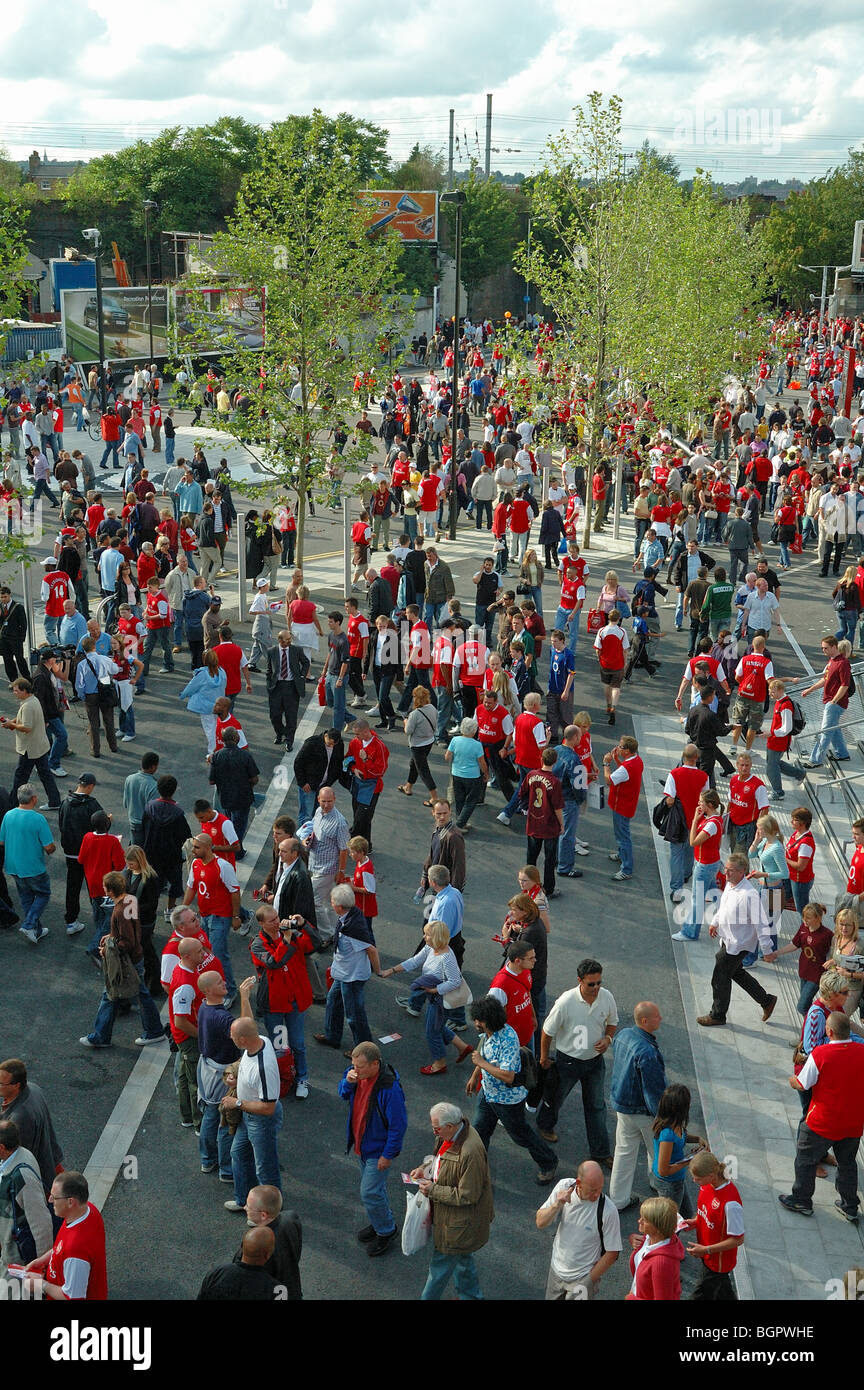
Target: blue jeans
<point>101,923</point>
<point>214,1141</point>
<point>255,1153</point>
<point>464,1274</point>
<point>157,635</point>
<point>679,610</point>
<point>239,818</point>
<point>219,929</point>
<point>513,804</point>
<point>784,555</point>
<point>830,734</point>
<point>35,893</point>
<point>621,828</point>
<point>59,742</point>
<point>431,613</point>
<point>43,490</point>
<point>566,840</point>
<point>806,995</point>
<point>151,1027</point>
<point>704,881</point>
<point>438,1035</point>
<point>170,445</point>
<point>801,893</point>
<point>52,630</point>
<point>775,765</point>
<point>373,1195</point>
<point>571,632</point>
<point>179,626</point>
<point>292,1023</point>
<point>110,448</point>
<point>447,711</point>
<point>847,623</point>
<point>591,1074</point>
<point>126,720</point>
<point>335,695</point>
<point>680,865</point>
<point>306,802</point>
<point>345,1001</point>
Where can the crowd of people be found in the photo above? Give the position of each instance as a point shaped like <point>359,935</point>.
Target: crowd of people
<point>486,702</point>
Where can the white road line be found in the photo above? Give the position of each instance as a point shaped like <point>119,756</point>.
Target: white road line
<point>796,649</point>
<point>115,1141</point>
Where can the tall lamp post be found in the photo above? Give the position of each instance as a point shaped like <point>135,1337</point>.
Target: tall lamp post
<point>457,198</point>
<point>149,206</point>
<point>93,234</point>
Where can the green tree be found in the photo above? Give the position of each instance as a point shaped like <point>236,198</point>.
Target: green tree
<point>489,228</point>
<point>814,227</point>
<point>424,168</point>
<point>329,300</point>
<point>13,255</point>
<point>338,137</point>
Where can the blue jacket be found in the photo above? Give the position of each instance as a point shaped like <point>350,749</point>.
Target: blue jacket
<point>638,1073</point>
<point>204,690</point>
<point>567,767</point>
<point>386,1116</point>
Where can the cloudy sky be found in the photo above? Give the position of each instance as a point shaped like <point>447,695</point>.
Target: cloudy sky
<point>686,73</point>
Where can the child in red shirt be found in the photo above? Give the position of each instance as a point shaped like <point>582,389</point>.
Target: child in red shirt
<point>364,879</point>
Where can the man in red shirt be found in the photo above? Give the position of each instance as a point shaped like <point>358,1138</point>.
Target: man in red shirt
<point>684,784</point>
<point>419,662</point>
<point>158,620</point>
<point>100,853</point>
<point>747,799</point>
<point>213,884</point>
<point>752,674</point>
<point>610,644</point>
<point>530,738</point>
<point>622,769</point>
<point>719,1226</point>
<point>184,1001</point>
<point>234,663</point>
<point>855,882</point>
<point>512,988</point>
<point>543,797</point>
<point>74,1268</point>
<point>834,1076</point>
<point>358,643</point>
<point>370,757</point>
<point>778,741</point>
<point>834,684</point>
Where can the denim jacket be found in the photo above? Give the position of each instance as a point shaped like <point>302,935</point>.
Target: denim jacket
<point>638,1073</point>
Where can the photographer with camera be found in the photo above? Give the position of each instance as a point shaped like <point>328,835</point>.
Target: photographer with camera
<point>284,992</point>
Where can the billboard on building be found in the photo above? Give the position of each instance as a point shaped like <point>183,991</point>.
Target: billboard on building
<point>414,216</point>
<point>230,316</point>
<point>858,249</point>
<point>125,319</point>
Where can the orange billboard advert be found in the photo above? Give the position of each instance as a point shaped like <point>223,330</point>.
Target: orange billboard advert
<point>414,216</point>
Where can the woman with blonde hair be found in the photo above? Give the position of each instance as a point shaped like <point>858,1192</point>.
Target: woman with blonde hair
<point>531,579</point>
<point>303,622</point>
<point>439,978</point>
<point>202,692</point>
<point>657,1253</point>
<point>531,884</point>
<point>498,678</point>
<point>613,596</point>
<point>847,605</point>
<point>142,881</point>
<point>845,955</point>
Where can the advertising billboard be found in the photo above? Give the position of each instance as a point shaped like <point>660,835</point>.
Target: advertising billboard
<point>413,215</point>
<point>125,321</point>
<point>231,316</point>
<point>858,249</point>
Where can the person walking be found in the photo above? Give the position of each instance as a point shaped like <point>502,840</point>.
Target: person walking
<point>26,839</point>
<point>834,1075</point>
<point>638,1082</point>
<point>741,924</point>
<point>834,683</point>
<point>543,797</point>
<point>587,1235</point>
<point>201,693</point>
<point>355,956</point>
<point>287,668</point>
<point>582,1023</point>
<point>32,743</point>
<point>125,931</point>
<point>254,1149</point>
<point>622,769</point>
<point>459,1189</point>
<point>375,1131</point>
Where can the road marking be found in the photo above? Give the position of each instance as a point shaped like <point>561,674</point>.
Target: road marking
<point>796,648</point>
<point>114,1143</point>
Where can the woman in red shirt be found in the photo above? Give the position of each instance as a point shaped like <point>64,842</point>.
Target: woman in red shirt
<point>302,618</point>
<point>500,518</point>
<point>706,841</point>
<point>786,518</point>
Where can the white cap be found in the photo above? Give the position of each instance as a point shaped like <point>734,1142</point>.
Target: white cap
<point>262,583</point>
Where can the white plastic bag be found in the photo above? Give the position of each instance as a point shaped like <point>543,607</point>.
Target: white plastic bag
<point>418,1223</point>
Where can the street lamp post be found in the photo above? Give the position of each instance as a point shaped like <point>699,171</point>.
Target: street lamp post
<point>93,234</point>
<point>149,206</point>
<point>457,198</point>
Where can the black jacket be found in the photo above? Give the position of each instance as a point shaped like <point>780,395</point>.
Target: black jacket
<point>295,895</point>
<point>679,572</point>
<point>166,830</point>
<point>231,772</point>
<point>298,665</point>
<point>146,894</point>
<point>414,563</point>
<point>284,1263</point>
<point>46,692</point>
<point>704,727</point>
<point>13,627</point>
<point>380,600</point>
<point>74,816</point>
<point>310,764</point>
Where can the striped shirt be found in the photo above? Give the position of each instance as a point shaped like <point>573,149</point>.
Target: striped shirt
<point>330,836</point>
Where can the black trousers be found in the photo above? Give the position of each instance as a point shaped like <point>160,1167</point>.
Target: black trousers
<point>550,856</point>
<point>74,884</point>
<point>284,701</point>
<point>13,653</point>
<point>714,1288</point>
<point>196,651</point>
<point>468,696</point>
<point>355,675</point>
<point>729,970</point>
<point>97,705</point>
<point>811,1149</point>
<point>711,755</point>
<point>362,823</point>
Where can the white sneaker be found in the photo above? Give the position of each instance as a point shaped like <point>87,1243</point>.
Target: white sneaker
<point>679,936</point>
<point>358,702</point>
<point>374,710</point>
<point>302,1090</point>
<point>127,738</point>
<point>145,1042</point>
<point>503,817</point>
<point>60,772</point>
<point>584,843</point>
<point>74,928</point>
<point>580,849</point>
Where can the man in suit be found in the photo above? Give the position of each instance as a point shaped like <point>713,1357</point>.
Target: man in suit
<point>293,894</point>
<point>317,765</point>
<point>286,677</point>
<point>13,634</point>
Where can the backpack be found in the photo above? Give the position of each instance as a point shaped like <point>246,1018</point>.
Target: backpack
<point>798,717</point>
<point>287,1072</point>
<point>852,687</point>
<point>121,977</point>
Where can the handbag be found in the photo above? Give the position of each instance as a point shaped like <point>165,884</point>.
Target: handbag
<point>596,796</point>
<point>459,997</point>
<point>596,620</point>
<point>322,690</point>
<point>121,977</point>
<point>417,1224</point>
<point>523,588</point>
<point>106,688</point>
<point>709,513</point>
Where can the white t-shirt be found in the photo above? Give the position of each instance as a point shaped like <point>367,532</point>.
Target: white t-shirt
<point>251,1085</point>
<point>576,1249</point>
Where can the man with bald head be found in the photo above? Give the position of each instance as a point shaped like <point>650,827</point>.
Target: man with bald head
<point>580,1255</point>
<point>254,1151</point>
<point>247,1280</point>
<point>638,1082</point>
<point>216,1052</point>
<point>184,1001</point>
<point>264,1211</point>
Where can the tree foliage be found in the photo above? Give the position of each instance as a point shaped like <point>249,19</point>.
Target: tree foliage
<point>13,254</point>
<point>329,299</point>
<point>424,168</point>
<point>814,227</point>
<point>489,227</point>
